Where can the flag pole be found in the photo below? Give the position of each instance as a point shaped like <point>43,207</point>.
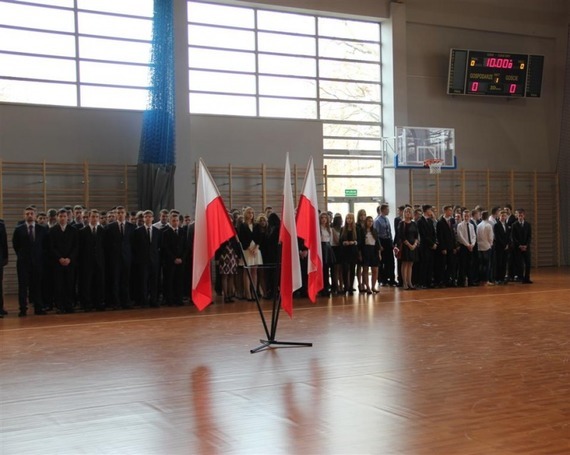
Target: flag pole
<point>271,341</point>
<point>253,290</point>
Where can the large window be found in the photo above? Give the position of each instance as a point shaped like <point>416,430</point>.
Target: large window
<point>88,53</point>
<point>254,62</point>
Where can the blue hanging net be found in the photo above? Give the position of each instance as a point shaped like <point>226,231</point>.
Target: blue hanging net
<point>157,144</point>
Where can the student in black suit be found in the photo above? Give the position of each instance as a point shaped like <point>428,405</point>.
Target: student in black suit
<point>397,221</point>
<point>522,237</point>
<point>428,245</point>
<point>444,256</point>
<point>118,248</point>
<point>63,249</point>
<point>188,260</point>
<point>511,218</point>
<point>29,242</point>
<point>467,239</point>
<point>3,263</point>
<point>146,260</point>
<point>173,249</point>
<point>502,244</point>
<point>92,263</point>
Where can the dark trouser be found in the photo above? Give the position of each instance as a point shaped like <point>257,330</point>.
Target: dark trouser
<point>92,281</point>
<point>386,272</point>
<point>1,288</point>
<point>444,267</point>
<point>120,283</point>
<point>501,257</point>
<point>466,266</point>
<point>172,284</point>
<point>485,265</point>
<point>426,267</point>
<point>522,263</point>
<point>147,275</point>
<point>63,287</point>
<point>348,272</point>
<point>29,281</point>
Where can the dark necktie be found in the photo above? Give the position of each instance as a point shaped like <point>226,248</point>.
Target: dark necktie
<point>504,227</point>
<point>122,229</point>
<point>31,232</point>
<point>469,233</point>
<point>148,234</point>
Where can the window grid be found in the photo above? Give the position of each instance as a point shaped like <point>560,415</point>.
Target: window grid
<point>24,89</point>
<point>327,89</point>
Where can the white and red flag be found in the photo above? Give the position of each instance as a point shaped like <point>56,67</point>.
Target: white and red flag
<point>309,229</point>
<point>212,228</point>
<point>290,265</point>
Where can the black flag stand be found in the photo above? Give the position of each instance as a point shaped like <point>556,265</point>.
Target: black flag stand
<point>271,341</point>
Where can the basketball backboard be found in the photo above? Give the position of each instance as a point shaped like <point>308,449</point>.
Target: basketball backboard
<point>415,145</point>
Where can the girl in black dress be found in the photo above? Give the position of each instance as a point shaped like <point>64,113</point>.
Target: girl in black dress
<point>408,242</point>
<point>360,226</point>
<point>338,281</point>
<point>327,251</point>
<point>350,251</point>
<point>370,251</point>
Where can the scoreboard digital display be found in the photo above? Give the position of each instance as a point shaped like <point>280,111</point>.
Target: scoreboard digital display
<point>494,74</point>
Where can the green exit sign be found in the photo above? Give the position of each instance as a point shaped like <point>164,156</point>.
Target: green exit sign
<point>350,193</point>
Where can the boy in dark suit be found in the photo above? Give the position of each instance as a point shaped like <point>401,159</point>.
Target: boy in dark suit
<point>3,263</point>
<point>29,242</point>
<point>118,247</point>
<point>63,248</point>
<point>521,237</point>
<point>92,263</point>
<point>173,249</point>
<point>502,233</point>
<point>146,261</point>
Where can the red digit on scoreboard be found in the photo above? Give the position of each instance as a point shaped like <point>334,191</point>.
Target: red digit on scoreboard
<point>474,86</point>
<point>513,88</point>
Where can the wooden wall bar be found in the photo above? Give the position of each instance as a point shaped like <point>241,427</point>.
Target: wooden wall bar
<point>54,185</point>
<point>536,192</point>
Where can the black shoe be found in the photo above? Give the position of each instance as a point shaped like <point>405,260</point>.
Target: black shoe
<point>527,282</point>
<point>22,314</point>
<point>4,312</point>
<point>40,313</point>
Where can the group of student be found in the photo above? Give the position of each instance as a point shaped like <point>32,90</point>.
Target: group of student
<point>74,258</point>
<point>461,247</point>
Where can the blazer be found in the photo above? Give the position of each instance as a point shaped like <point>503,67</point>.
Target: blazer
<point>30,253</point>
<point>445,235</point>
<point>63,244</point>
<point>521,234</point>
<point>3,244</point>
<point>502,236</point>
<point>426,230</point>
<point>173,245</point>
<point>117,245</point>
<point>91,247</point>
<point>146,253</point>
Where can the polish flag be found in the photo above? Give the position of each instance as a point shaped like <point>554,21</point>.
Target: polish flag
<point>290,265</point>
<point>212,228</point>
<point>309,229</point>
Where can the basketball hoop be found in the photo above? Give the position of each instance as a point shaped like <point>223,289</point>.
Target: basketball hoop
<point>434,165</point>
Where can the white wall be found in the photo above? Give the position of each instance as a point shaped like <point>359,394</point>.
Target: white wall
<point>69,135</point>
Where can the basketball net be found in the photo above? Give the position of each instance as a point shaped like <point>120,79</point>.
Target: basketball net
<point>434,165</point>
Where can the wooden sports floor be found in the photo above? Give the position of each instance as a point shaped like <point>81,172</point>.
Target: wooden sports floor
<point>450,371</point>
